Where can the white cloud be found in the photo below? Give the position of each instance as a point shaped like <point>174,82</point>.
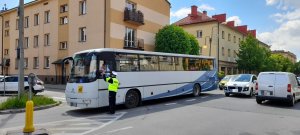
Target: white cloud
<point>284,4</point>
<point>271,2</point>
<point>236,19</point>
<point>206,7</point>
<point>181,13</point>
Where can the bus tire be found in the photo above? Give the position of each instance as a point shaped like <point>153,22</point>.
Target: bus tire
<point>132,99</point>
<point>196,90</point>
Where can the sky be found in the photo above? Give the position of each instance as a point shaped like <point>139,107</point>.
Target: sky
<point>277,21</point>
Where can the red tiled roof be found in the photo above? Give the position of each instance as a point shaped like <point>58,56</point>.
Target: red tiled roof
<point>190,19</point>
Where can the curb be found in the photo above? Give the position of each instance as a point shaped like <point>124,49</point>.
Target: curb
<point>9,111</point>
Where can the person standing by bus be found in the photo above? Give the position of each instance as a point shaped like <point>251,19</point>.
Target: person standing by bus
<point>113,86</point>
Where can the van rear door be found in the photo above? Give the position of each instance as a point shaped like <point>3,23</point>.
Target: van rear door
<point>266,84</point>
<point>281,84</point>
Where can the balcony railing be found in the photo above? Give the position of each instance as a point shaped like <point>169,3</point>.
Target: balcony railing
<point>137,44</point>
<point>134,16</point>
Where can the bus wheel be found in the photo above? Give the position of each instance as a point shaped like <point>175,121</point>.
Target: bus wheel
<point>196,90</point>
<point>132,99</point>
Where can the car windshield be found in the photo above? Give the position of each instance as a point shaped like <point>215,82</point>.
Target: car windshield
<point>227,78</point>
<point>84,68</point>
<point>243,78</point>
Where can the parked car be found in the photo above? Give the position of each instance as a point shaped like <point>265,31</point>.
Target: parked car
<point>225,80</point>
<point>11,85</point>
<point>277,86</point>
<point>243,84</point>
<point>298,78</point>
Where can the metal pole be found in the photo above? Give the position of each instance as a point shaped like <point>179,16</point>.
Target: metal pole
<point>210,40</point>
<point>218,49</point>
<point>21,50</point>
<point>2,44</point>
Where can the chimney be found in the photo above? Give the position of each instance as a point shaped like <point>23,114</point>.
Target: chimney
<point>230,23</point>
<point>205,12</point>
<point>194,11</point>
<point>252,32</point>
<point>220,18</point>
<point>242,29</point>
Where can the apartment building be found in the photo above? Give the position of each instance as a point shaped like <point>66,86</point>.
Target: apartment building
<point>56,29</point>
<point>291,56</point>
<point>217,37</point>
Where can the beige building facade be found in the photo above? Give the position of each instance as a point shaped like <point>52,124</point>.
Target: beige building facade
<point>291,56</point>
<point>217,37</point>
<point>56,29</point>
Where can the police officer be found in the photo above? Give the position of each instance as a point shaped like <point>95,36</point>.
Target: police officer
<point>113,85</point>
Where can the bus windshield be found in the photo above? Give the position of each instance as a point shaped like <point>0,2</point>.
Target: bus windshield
<point>84,68</point>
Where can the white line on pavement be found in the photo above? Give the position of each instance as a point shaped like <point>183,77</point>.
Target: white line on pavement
<point>190,100</point>
<point>117,130</point>
<point>105,124</point>
<point>171,104</point>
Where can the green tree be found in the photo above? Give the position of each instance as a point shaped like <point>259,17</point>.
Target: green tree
<point>281,63</point>
<point>297,68</point>
<point>194,45</point>
<point>172,39</point>
<point>250,56</point>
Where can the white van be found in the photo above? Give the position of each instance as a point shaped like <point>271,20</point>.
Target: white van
<point>277,86</point>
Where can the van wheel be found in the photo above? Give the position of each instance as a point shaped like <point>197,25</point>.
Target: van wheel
<point>258,101</point>
<point>196,90</point>
<point>227,94</point>
<point>292,102</point>
<point>132,99</point>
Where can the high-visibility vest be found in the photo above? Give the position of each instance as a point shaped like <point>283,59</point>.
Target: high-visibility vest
<point>113,86</point>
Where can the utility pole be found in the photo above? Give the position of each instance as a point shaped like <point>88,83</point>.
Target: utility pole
<point>20,50</point>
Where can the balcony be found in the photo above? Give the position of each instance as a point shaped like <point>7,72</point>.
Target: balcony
<point>133,16</point>
<point>137,44</point>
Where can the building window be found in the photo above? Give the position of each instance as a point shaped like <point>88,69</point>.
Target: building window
<point>35,62</point>
<point>64,20</point>
<point>63,8</point>
<point>36,19</point>
<point>6,33</point>
<point>26,42</point>
<point>25,62</point>
<point>223,34</point>
<point>239,40</point>
<point>199,34</point>
<point>82,34</point>
<point>229,37</point>
<point>234,39</point>
<point>36,41</point>
<point>63,45</point>
<point>17,43</point>
<point>130,37</point>
<point>17,24</point>
<point>17,63</point>
<point>234,54</point>
<point>26,22</point>
<point>47,39</point>
<point>82,7</point>
<point>229,53</point>
<point>130,5</point>
<point>223,51</point>
<point>6,51</point>
<point>47,16</point>
<point>46,62</point>
<point>6,24</point>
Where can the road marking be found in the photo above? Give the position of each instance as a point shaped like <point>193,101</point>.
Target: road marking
<point>171,104</point>
<point>105,124</point>
<point>190,100</point>
<point>117,130</point>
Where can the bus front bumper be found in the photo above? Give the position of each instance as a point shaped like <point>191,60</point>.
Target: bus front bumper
<point>83,103</point>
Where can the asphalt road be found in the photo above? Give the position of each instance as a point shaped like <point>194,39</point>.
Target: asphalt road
<point>210,114</point>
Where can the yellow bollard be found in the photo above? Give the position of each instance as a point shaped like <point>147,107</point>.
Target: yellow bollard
<point>29,118</point>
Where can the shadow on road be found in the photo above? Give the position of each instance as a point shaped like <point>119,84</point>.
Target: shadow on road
<point>151,106</point>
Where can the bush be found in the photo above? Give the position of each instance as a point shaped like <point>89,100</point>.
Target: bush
<point>14,103</point>
<point>221,75</point>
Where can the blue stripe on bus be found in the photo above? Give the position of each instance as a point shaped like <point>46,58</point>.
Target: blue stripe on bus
<point>209,78</point>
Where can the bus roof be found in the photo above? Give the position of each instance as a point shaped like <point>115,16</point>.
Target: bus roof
<point>142,52</point>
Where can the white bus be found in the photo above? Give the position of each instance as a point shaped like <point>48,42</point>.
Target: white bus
<point>143,76</point>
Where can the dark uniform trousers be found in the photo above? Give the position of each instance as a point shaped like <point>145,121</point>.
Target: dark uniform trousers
<point>112,101</point>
